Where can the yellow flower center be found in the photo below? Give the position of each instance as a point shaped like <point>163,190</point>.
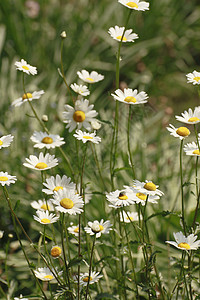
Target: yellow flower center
<point>101,227</point>
<point>79,116</point>
<point>122,196</point>
<point>90,79</point>
<point>87,137</point>
<point>129,218</point>
<point>57,188</point>
<point>1,143</point>
<point>56,251</point>
<point>183,131</point>
<point>120,37</point>
<point>196,152</point>
<point>197,78</point>
<point>86,279</point>
<point>3,178</point>
<point>67,203</point>
<point>25,67</point>
<point>130,99</point>
<point>27,96</point>
<point>132,4</point>
<point>45,207</point>
<point>76,230</point>
<point>41,165</point>
<point>47,140</point>
<point>46,221</point>
<point>184,245</point>
<point>48,277</point>
<point>141,196</point>
<point>194,119</point>
<point>150,186</point>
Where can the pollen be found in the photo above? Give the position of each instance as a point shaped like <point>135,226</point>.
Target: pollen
<point>47,140</point>
<point>41,165</point>
<point>150,186</point>
<point>130,99</point>
<point>56,251</point>
<point>45,207</point>
<point>132,4</point>
<point>184,246</point>
<point>45,221</point>
<point>86,279</point>
<point>183,131</point>
<point>1,143</point>
<point>197,78</point>
<point>57,188</point>
<point>3,178</point>
<point>67,203</point>
<point>79,116</point>
<point>90,79</point>
<point>25,67</point>
<point>196,152</point>
<point>27,96</point>
<point>194,119</point>
<point>101,227</point>
<point>49,277</point>
<point>76,230</point>
<point>120,37</point>
<point>87,137</point>
<point>141,196</point>
<point>122,196</point>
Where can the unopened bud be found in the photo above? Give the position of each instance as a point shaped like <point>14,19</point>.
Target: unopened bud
<point>63,35</point>
<point>10,235</point>
<point>44,118</point>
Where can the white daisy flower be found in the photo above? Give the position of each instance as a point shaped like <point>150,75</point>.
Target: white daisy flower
<point>191,149</point>
<point>26,68</point>
<point>53,184</point>
<point>42,139</point>
<point>28,97</point>
<point>181,132</point>
<point>6,140</point>
<point>1,234</point>
<point>80,115</point>
<point>190,117</point>
<point>143,197</point>
<point>185,243</point>
<point>137,5</point>
<point>80,89</point>
<point>98,228</point>
<point>92,77</point>
<point>42,205</point>
<point>20,297</point>
<point>120,198</point>
<point>73,230</point>
<point>42,163</point>
<point>117,32</point>
<point>6,179</point>
<point>147,187</point>
<point>193,77</point>
<point>129,216</point>
<point>129,96</point>
<point>68,202</point>
<point>86,136</point>
<point>84,278</point>
<point>56,251</point>
<point>45,274</point>
<point>45,218</point>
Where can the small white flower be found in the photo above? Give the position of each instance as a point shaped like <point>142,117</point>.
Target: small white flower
<point>190,117</point>
<point>129,96</point>
<point>42,163</point>
<point>1,234</point>
<point>6,179</point>
<point>143,197</point>
<point>193,77</point>
<point>84,278</point>
<point>185,243</point>
<point>6,140</point>
<point>90,77</point>
<point>20,298</point>
<point>147,187</point>
<point>98,228</point>
<point>56,251</point>
<point>86,136</point>
<point>181,132</point>
<point>120,198</point>
<point>45,274</point>
<point>42,139</point>
<point>26,68</point>
<point>117,32</point>
<point>42,205</point>
<point>127,216</point>
<point>45,218</point>
<point>73,230</point>
<point>95,125</point>
<point>68,202</point>
<point>191,149</point>
<point>27,97</point>
<point>53,184</point>
<point>137,5</point>
<point>80,89</point>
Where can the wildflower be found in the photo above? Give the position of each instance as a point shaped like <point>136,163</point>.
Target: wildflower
<point>27,97</point>
<point>84,278</point>
<point>68,202</point>
<point>86,136</point>
<point>92,77</point>
<point>147,187</point>
<point>137,5</point>
<point>98,228</point>
<point>95,125</point>
<point>45,218</point>
<point>56,251</point>
<point>45,274</point>
<point>181,132</point>
<point>128,216</point>
<point>42,163</point>
<point>80,115</point>
<point>6,179</point>
<point>80,89</point>
<point>63,34</point>
<point>143,197</point>
<point>185,243</point>
<point>6,140</point>
<point>42,139</point>
<point>42,205</point>
<point>190,117</point>
<point>20,298</point>
<point>191,149</point>
<point>73,230</point>
<point>193,77</point>
<point>26,68</point>
<point>120,198</point>
<point>117,32</point>
<point>53,184</point>
<point>130,96</point>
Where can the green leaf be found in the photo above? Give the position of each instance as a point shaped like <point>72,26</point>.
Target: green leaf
<point>16,205</point>
<point>75,261</point>
<point>162,213</point>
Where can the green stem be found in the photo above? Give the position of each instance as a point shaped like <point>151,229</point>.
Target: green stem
<point>94,152</point>
<point>197,194</point>
<point>128,139</point>
<point>182,196</point>
<point>90,267</point>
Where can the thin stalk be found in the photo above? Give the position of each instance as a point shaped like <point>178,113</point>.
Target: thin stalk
<point>189,273</point>
<point>179,277</point>
<point>197,193</point>
<point>94,152</point>
<point>128,140</point>
<point>182,197</point>
<point>90,268</point>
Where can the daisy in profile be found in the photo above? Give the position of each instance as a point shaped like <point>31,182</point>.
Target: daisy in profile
<point>190,117</point>
<point>191,149</point>
<point>193,77</point>
<point>42,163</point>
<point>120,198</point>
<point>143,197</point>
<point>129,96</point>
<point>45,274</point>
<point>27,97</point>
<point>147,187</point>
<point>117,32</point>
<point>54,184</point>
<point>20,297</point>
<point>127,216</point>
<point>98,228</point>
<point>6,179</point>
<point>6,140</point>
<point>86,136</point>
<point>92,77</point>
<point>45,218</point>
<point>44,140</point>
<point>137,4</point>
<point>181,132</point>
<point>67,201</point>
<point>84,278</point>
<point>80,115</point>
<point>56,251</point>
<point>73,230</point>
<point>42,205</point>
<point>185,243</point>
<point>80,89</point>
<point>26,68</point>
